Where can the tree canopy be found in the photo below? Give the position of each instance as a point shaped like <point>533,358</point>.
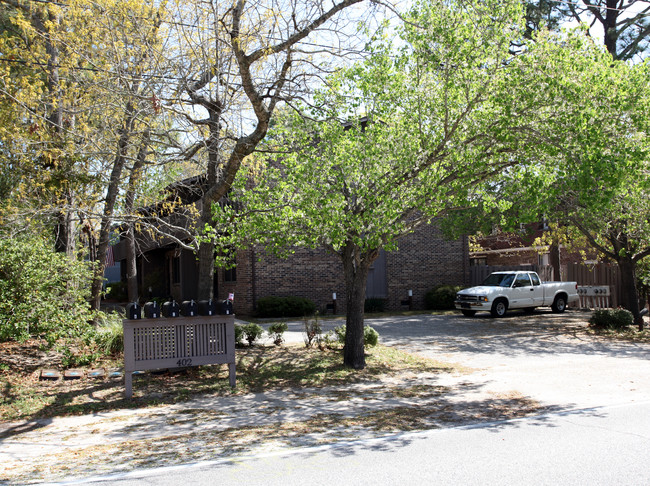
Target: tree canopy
<point>425,128</point>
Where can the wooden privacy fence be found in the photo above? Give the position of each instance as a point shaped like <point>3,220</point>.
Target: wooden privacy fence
<point>592,278</point>
<point>597,276</point>
<point>177,342</point>
<point>478,273</point>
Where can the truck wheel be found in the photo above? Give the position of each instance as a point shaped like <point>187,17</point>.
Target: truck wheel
<point>559,304</point>
<point>469,313</point>
<point>499,308</point>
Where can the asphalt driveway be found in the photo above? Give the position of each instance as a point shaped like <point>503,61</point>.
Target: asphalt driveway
<point>547,357</point>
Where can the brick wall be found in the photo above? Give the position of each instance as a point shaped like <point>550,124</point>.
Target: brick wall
<point>424,260</point>
<point>314,274</point>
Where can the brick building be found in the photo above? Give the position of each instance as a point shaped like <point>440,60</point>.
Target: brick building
<point>520,248</point>
<point>424,259</point>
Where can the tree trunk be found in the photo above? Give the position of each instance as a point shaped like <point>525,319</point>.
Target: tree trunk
<point>131,253</point>
<point>206,270</point>
<point>111,198</point>
<point>554,260</point>
<point>206,248</point>
<point>131,266</point>
<point>64,232</point>
<point>64,228</point>
<point>356,265</point>
<point>630,294</point>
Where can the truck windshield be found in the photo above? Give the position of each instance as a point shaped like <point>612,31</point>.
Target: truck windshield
<point>499,280</point>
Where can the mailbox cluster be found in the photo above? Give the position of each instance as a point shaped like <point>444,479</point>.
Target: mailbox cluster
<point>593,290</point>
<point>187,308</point>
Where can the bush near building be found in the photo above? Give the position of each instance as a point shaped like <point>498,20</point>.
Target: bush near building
<point>43,294</point>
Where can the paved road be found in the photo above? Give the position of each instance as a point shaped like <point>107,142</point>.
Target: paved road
<point>599,446</point>
<point>599,389</point>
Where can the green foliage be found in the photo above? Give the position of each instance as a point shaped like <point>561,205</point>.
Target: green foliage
<point>239,335</point>
<point>313,330</point>
<point>276,331</point>
<point>441,297</point>
<point>285,307</point>
<point>611,319</point>
<point>71,359</point>
<point>339,332</point>
<point>374,305</point>
<point>370,336</point>
<point>42,293</point>
<point>110,334</point>
<point>252,332</point>
<point>117,291</point>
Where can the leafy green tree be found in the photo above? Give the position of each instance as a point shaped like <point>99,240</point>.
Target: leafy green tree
<point>429,123</point>
<point>596,178</point>
<point>81,91</point>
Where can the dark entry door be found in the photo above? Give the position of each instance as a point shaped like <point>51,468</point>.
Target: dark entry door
<point>376,287</point>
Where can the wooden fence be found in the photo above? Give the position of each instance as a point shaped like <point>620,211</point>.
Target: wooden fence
<point>478,273</point>
<point>600,274</point>
<point>177,342</point>
<point>597,275</point>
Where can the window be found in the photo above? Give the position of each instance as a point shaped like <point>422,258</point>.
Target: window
<point>522,280</point>
<point>535,279</point>
<point>230,274</point>
<point>544,259</point>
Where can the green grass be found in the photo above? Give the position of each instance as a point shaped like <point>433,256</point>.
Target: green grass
<point>258,369</point>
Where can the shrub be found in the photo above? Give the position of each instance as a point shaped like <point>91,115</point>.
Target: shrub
<point>370,336</point>
<point>441,297</point>
<point>611,319</point>
<point>285,307</point>
<point>252,332</point>
<point>313,331</point>
<point>239,335</point>
<point>110,334</point>
<point>71,359</point>
<point>339,332</point>
<point>43,293</point>
<point>374,305</point>
<point>276,331</point>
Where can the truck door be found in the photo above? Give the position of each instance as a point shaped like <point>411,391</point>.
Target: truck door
<point>538,290</point>
<point>522,291</point>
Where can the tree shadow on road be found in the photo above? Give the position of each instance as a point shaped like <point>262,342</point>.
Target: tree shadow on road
<point>540,333</point>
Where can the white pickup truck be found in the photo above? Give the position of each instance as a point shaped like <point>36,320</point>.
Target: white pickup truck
<point>501,291</point>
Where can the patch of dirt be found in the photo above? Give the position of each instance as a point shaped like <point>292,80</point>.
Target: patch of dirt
<point>29,356</point>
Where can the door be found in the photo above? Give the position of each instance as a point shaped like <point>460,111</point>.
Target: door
<point>538,290</point>
<point>521,292</point>
<point>376,283</point>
